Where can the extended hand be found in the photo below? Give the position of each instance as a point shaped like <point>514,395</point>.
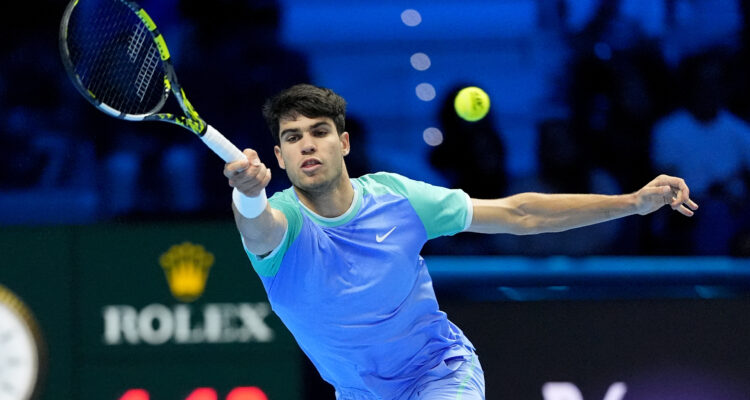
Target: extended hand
<point>664,190</point>
<point>248,176</point>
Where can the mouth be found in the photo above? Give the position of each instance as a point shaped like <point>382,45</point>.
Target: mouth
<point>310,164</point>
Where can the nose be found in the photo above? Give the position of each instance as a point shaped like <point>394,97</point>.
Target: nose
<point>308,145</point>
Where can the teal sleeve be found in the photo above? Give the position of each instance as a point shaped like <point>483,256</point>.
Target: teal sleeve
<point>268,265</point>
<point>443,211</point>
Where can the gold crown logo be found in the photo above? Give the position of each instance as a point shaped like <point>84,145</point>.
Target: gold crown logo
<point>186,266</point>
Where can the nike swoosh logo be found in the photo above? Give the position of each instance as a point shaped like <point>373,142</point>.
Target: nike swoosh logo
<point>380,238</point>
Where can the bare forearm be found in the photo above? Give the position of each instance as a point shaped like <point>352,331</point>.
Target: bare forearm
<point>263,233</point>
<point>530,213</point>
<point>262,227</point>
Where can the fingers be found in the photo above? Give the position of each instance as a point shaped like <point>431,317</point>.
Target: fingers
<point>693,205</point>
<point>679,199</point>
<point>684,211</point>
<point>667,190</point>
<point>248,176</point>
<point>252,156</point>
<point>252,181</point>
<point>681,195</point>
<point>236,167</point>
<point>680,192</point>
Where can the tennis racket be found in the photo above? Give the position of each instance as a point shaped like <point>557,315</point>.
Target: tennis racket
<point>119,62</point>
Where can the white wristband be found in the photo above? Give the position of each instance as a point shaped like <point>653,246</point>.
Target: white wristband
<point>249,207</point>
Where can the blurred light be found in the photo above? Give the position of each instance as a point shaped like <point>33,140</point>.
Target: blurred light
<point>247,393</point>
<point>420,61</point>
<point>411,17</point>
<point>561,390</point>
<point>425,92</point>
<point>616,391</point>
<point>203,394</point>
<point>432,136</point>
<point>135,394</point>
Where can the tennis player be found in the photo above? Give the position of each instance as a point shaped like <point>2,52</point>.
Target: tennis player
<point>339,257</point>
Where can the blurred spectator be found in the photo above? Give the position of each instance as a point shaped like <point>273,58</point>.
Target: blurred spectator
<point>703,122</point>
<point>564,169</point>
<point>741,244</point>
<point>707,145</point>
<point>613,25</point>
<point>472,155</point>
<point>46,167</point>
<point>472,158</point>
<point>696,26</point>
<point>50,137</point>
<point>680,27</point>
<point>358,160</point>
<point>232,68</point>
<point>155,171</point>
<point>617,87</point>
<point>29,100</point>
<point>616,91</point>
<point>739,87</point>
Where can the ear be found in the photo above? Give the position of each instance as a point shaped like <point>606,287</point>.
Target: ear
<point>279,159</point>
<point>345,145</point>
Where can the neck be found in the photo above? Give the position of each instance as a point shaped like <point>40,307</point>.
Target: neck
<point>330,202</point>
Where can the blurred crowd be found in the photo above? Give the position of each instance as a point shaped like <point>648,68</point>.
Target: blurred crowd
<point>650,87</point>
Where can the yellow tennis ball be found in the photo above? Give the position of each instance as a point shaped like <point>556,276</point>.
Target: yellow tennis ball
<point>472,103</point>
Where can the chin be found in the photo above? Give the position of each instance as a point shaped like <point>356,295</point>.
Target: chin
<point>310,184</point>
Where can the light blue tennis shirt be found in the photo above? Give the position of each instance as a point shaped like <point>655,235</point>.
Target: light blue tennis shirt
<point>354,291</point>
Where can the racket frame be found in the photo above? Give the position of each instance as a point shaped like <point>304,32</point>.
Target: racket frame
<point>190,120</point>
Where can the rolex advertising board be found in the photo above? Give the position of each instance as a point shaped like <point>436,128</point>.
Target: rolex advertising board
<point>167,311</point>
<point>175,312</point>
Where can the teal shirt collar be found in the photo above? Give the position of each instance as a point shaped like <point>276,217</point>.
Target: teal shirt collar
<point>341,219</point>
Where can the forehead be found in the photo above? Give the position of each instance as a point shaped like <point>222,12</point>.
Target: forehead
<point>301,122</point>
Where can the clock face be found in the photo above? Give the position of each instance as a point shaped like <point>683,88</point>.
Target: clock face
<point>19,350</point>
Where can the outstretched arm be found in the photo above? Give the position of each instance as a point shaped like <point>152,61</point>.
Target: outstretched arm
<point>530,213</point>
<point>262,227</point>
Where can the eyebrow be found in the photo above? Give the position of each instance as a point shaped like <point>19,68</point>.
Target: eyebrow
<point>297,130</point>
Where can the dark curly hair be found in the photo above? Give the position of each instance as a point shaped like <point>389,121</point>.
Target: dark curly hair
<point>304,99</point>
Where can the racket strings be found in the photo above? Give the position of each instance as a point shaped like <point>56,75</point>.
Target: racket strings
<point>115,58</point>
<point>146,73</point>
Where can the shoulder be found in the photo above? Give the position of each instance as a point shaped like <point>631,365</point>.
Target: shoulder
<point>286,202</point>
<point>381,178</point>
<point>389,182</point>
<point>284,199</point>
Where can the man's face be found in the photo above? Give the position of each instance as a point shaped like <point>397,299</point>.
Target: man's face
<point>312,152</point>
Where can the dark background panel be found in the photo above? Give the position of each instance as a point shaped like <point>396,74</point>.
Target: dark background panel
<point>36,265</point>
<point>650,345</point>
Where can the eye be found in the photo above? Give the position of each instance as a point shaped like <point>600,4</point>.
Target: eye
<point>320,133</point>
<point>292,138</point>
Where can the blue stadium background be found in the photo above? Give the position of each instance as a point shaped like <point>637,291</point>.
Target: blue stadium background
<point>579,90</point>
<point>587,96</point>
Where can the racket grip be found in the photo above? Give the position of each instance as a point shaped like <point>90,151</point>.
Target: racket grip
<point>221,146</point>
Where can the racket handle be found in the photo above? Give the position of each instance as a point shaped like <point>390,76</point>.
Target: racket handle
<point>221,146</point>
